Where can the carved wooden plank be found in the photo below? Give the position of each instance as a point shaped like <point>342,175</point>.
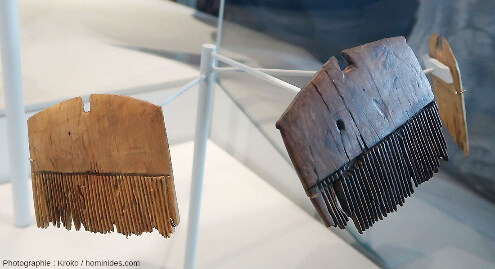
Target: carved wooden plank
<point>449,96</point>
<point>358,136</point>
<point>108,166</point>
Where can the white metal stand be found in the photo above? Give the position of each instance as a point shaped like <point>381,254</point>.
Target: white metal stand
<point>200,140</point>
<point>14,111</point>
<point>17,131</point>
<point>256,72</point>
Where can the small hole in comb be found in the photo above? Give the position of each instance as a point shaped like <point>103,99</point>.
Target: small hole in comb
<point>340,125</point>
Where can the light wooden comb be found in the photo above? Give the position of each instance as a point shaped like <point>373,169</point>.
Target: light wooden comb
<point>109,167</point>
<point>449,95</point>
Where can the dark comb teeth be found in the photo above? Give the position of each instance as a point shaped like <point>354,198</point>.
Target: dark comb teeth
<point>360,137</point>
<point>380,179</point>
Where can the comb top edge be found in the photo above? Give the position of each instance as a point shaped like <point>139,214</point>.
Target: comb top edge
<point>348,68</point>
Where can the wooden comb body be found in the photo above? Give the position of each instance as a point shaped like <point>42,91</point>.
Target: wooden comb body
<point>109,167</point>
<point>358,136</point>
<point>450,96</point>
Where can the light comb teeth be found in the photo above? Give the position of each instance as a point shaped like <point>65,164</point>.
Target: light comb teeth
<point>107,169</point>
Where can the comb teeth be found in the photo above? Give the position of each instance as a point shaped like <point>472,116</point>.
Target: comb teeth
<point>130,204</point>
<point>379,179</point>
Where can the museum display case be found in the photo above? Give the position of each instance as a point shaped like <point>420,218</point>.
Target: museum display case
<point>226,74</point>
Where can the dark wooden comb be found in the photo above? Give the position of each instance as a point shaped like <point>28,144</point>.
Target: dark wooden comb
<point>105,168</point>
<point>359,137</point>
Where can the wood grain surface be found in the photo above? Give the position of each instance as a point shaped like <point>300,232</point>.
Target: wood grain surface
<point>108,166</point>
<point>360,137</point>
<point>118,135</point>
<point>382,87</point>
<point>449,96</point>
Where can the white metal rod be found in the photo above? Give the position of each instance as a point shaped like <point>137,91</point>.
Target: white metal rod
<point>257,73</point>
<point>221,12</point>
<point>200,140</point>
<point>287,72</point>
<point>428,71</point>
<point>14,111</point>
<point>183,90</point>
<point>270,72</point>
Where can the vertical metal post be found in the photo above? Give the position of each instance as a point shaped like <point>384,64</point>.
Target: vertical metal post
<point>14,110</point>
<point>221,13</point>
<point>200,140</point>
